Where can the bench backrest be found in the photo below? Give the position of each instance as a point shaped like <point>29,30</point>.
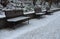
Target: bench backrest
<point>38,10</point>
<point>13,13</point>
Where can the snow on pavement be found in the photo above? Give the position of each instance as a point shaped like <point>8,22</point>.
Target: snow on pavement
<point>46,28</point>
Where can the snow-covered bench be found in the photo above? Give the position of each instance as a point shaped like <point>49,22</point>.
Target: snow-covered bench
<point>14,16</point>
<point>50,11</point>
<point>18,19</point>
<point>53,10</point>
<point>38,12</point>
<point>30,14</point>
<point>2,19</point>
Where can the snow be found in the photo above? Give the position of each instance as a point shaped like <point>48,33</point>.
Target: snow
<point>40,13</point>
<point>44,10</point>
<point>17,19</point>
<point>2,14</point>
<point>5,9</point>
<point>31,12</point>
<point>46,28</point>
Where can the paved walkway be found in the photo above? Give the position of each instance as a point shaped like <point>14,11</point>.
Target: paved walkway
<point>46,28</point>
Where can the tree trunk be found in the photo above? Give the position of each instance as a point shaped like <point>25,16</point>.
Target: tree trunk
<point>34,2</point>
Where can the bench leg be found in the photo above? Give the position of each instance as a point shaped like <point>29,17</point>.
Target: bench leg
<point>28,21</point>
<point>13,25</point>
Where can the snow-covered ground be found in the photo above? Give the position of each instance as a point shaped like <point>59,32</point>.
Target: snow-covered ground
<point>45,28</point>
